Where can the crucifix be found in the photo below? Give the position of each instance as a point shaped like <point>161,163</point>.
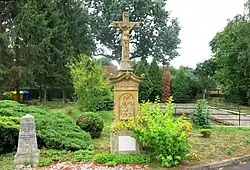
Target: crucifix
<point>125,27</point>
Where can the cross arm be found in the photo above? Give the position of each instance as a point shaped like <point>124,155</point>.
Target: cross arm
<point>117,24</point>
<point>134,25</point>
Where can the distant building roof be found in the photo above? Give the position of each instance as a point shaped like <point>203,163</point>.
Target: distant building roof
<point>110,69</point>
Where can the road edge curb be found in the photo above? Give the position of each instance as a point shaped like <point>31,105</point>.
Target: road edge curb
<point>220,164</point>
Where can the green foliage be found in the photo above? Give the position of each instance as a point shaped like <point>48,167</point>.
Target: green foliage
<point>9,129</point>
<point>108,159</point>
<point>54,130</point>
<point>145,89</point>
<point>180,89</point>
<point>91,123</point>
<point>104,61</point>
<point>147,41</point>
<point>49,156</point>
<point>43,36</point>
<point>231,49</point>
<point>207,68</point>
<point>184,82</point>
<point>160,131</point>
<point>206,133</point>
<point>201,115</point>
<point>155,75</point>
<point>92,90</point>
<point>229,152</point>
<point>112,159</point>
<point>151,86</point>
<point>205,72</point>
<point>6,161</point>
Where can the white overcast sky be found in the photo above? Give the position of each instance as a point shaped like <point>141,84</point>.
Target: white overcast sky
<point>200,20</point>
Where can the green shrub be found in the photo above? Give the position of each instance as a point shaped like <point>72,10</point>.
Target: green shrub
<point>91,123</point>
<point>160,131</point>
<point>70,111</point>
<point>54,130</point>
<point>108,159</point>
<point>112,159</point>
<point>201,116</point>
<point>9,130</point>
<point>48,156</point>
<point>180,88</point>
<point>206,133</point>
<point>92,89</point>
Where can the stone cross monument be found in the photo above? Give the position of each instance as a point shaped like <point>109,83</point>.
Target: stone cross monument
<point>125,27</point>
<point>126,85</point>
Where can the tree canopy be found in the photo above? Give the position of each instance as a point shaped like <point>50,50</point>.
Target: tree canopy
<point>231,50</point>
<point>157,36</point>
<point>38,38</point>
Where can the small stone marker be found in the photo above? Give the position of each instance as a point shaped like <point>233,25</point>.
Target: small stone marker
<point>27,151</point>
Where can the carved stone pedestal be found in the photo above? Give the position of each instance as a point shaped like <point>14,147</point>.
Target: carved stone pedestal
<point>125,107</point>
<point>126,95</point>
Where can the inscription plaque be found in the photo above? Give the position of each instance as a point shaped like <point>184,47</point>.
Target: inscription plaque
<point>127,143</point>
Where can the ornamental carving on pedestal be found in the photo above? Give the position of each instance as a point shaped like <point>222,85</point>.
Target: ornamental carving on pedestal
<point>127,107</point>
<point>126,84</point>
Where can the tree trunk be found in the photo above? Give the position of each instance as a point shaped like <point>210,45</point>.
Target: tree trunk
<point>63,96</point>
<point>204,93</point>
<point>44,94</point>
<point>165,86</point>
<point>248,7</point>
<point>40,92</point>
<point>18,76</point>
<point>18,90</point>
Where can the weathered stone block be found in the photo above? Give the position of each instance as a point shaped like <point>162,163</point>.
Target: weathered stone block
<point>27,151</point>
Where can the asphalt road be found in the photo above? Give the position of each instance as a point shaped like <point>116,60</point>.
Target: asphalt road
<point>238,167</point>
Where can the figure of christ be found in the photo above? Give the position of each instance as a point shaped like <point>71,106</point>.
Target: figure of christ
<point>125,27</point>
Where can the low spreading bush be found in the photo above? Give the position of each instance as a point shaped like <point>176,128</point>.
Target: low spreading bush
<point>206,133</point>
<point>91,123</point>
<point>108,159</point>
<point>54,130</point>
<point>201,116</point>
<point>51,155</point>
<point>112,159</point>
<point>160,131</point>
<point>9,130</point>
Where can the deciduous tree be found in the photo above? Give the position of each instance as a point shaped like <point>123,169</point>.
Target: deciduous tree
<point>231,50</point>
<point>157,36</point>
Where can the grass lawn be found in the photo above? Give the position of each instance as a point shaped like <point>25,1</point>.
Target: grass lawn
<point>6,162</point>
<point>225,142</point>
